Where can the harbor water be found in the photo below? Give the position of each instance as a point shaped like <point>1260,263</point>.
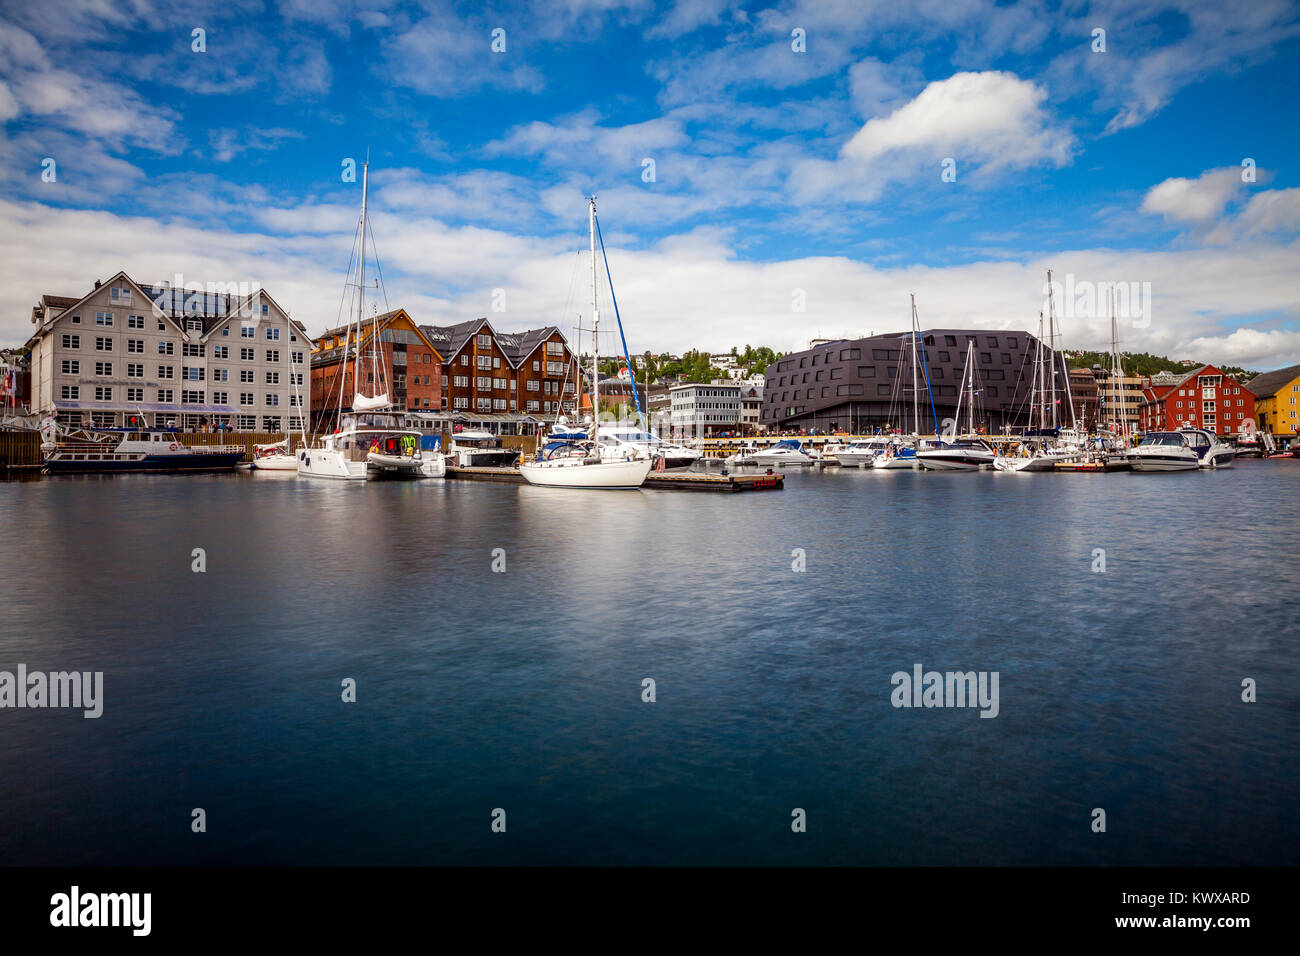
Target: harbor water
<point>1122,614</point>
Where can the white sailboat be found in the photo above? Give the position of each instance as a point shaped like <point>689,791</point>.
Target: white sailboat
<point>373,441</point>
<point>276,456</point>
<point>580,464</point>
<point>960,454</point>
<point>896,453</point>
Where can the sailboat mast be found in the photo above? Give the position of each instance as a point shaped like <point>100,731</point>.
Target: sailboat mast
<point>361,273</point>
<point>595,323</point>
<point>1051,339</point>
<point>970,411</point>
<point>916,409</point>
<point>1116,367</point>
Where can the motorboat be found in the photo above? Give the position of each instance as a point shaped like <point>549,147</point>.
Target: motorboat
<point>616,437</point>
<point>475,448</point>
<point>1037,456</point>
<point>789,451</point>
<point>863,452</point>
<point>957,454</point>
<point>402,455</point>
<point>274,457</point>
<point>1183,450</point>
<point>896,456</point>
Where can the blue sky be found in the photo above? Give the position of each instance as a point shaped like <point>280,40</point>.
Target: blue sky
<point>796,192</point>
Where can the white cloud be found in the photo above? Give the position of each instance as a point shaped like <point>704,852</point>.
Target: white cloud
<point>1200,201</point>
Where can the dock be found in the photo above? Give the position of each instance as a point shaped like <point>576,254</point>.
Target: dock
<point>1093,467</point>
<point>661,481</point>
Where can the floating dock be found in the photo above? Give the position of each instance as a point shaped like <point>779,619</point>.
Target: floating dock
<point>661,481</point>
<point>1096,467</point>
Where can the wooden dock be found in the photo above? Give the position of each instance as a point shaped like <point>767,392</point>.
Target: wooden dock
<point>1093,467</point>
<point>660,481</point>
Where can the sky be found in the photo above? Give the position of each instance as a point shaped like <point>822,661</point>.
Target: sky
<point>767,173</point>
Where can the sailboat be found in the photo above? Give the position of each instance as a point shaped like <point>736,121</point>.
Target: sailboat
<point>960,454</point>
<point>276,456</point>
<point>373,440</point>
<point>897,454</point>
<point>577,463</point>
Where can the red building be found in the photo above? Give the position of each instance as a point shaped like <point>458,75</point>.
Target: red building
<point>1206,397</point>
<point>507,374</point>
<point>413,362</point>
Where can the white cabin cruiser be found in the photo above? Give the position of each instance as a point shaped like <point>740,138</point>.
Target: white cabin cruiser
<point>616,438</point>
<point>863,452</point>
<point>1183,450</point>
<point>789,451</point>
<point>896,456</point>
<point>958,454</point>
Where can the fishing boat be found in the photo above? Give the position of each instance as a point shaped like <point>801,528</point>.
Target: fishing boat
<point>128,450</point>
<point>1184,450</point>
<point>574,463</point>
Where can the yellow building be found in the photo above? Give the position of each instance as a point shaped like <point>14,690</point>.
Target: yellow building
<point>1277,400</point>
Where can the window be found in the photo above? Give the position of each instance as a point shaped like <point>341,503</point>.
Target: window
<point>103,344</point>
<point>166,395</point>
<point>266,309</point>
<point>246,398</point>
<point>135,394</point>
<point>135,321</point>
<point>193,325</point>
<point>71,341</point>
<point>246,376</point>
<point>191,397</point>
<point>135,346</point>
<point>991,341</point>
<point>296,358</point>
<point>220,375</point>
<point>70,392</point>
<point>464,360</point>
<point>554,348</point>
<point>165,371</point>
<point>484,404</point>
<point>460,381</point>
<point>162,326</point>
<point>499,383</point>
<point>76,320</point>
<point>986,358</point>
<point>104,318</point>
<point>165,348</point>
<point>484,341</point>
<point>135,370</point>
<point>532,406</point>
<point>485,362</point>
<point>193,350</point>
<point>103,393</point>
<point>1006,358</point>
<point>272,378</point>
<point>532,385</point>
<point>247,331</point>
<point>246,355</point>
<point>273,355</point>
<point>192,373</point>
<point>273,399</point>
<point>246,423</point>
<point>272,335</point>
<point>950,340</point>
<point>849,355</point>
<point>71,367</point>
<point>103,368</point>
<point>537,366</point>
<point>460,403</point>
<point>221,351</point>
<point>120,296</point>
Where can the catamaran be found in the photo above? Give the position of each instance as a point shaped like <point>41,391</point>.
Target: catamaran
<point>575,463</point>
<point>374,440</point>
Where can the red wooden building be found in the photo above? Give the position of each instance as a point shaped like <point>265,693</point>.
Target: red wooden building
<point>1206,397</point>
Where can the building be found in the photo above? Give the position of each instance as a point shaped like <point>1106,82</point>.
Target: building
<point>751,405</point>
<point>1277,395</point>
<point>15,380</point>
<point>171,356</point>
<point>702,411</point>
<point>1123,392</point>
<point>1084,393</point>
<point>1205,397</point>
<point>722,361</point>
<point>509,376</point>
<point>412,361</point>
<point>863,384</point>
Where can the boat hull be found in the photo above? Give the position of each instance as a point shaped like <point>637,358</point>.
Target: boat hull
<point>208,462</point>
<point>1157,463</point>
<point>578,474</point>
<point>275,463</point>
<point>950,462</point>
<point>328,463</point>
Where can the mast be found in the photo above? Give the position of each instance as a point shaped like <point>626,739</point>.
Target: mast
<point>595,325</point>
<point>1116,368</point>
<point>956,418</point>
<point>916,409</point>
<point>1036,389</point>
<point>970,411</point>
<point>361,274</point>
<point>1051,336</point>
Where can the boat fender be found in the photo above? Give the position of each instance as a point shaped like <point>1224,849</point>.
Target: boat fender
<point>173,446</point>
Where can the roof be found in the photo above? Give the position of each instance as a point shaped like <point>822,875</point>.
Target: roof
<point>1268,383</point>
<point>519,345</point>
<point>450,339</point>
<point>516,346</point>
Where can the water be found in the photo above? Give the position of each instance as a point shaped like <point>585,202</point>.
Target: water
<point>522,690</point>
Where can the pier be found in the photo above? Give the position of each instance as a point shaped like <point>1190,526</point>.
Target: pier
<point>661,481</point>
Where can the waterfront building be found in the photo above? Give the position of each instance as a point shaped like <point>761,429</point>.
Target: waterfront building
<point>1087,400</point>
<point>863,384</point>
<point>751,404</point>
<point>1277,401</point>
<point>414,363</point>
<point>513,378</point>
<point>698,410</point>
<point>1206,397</point>
<point>127,353</point>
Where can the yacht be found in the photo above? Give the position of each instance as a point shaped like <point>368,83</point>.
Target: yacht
<point>957,454</point>
<point>475,448</point>
<point>1183,450</point>
<point>274,457</point>
<point>615,438</point>
<point>371,444</point>
<point>789,451</point>
<point>896,456</point>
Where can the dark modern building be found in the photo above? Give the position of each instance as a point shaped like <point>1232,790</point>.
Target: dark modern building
<point>860,385</point>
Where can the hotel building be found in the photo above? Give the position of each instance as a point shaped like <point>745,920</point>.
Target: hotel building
<point>132,354</point>
<point>1205,397</point>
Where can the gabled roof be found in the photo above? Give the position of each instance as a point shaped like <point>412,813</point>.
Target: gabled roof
<point>1268,383</point>
<point>59,308</point>
<point>329,354</point>
<point>237,307</point>
<point>519,345</point>
<point>450,339</point>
